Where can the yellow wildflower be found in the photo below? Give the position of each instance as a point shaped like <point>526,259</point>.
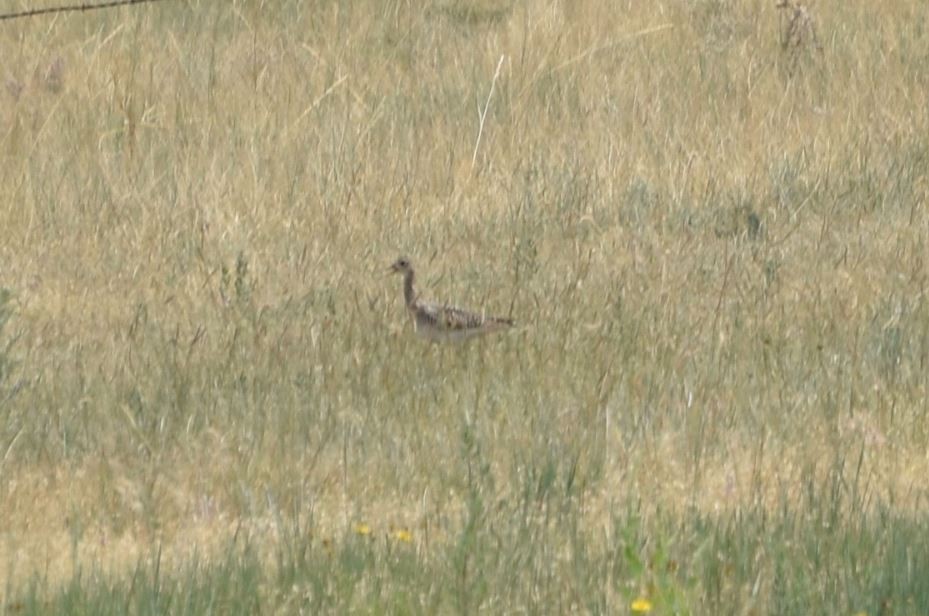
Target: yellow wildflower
<point>363,529</point>
<point>641,605</point>
<point>403,535</point>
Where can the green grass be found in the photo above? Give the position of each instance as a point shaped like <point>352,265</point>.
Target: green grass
<point>713,246</point>
<point>794,560</point>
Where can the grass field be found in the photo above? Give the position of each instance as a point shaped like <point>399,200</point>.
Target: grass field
<point>708,217</point>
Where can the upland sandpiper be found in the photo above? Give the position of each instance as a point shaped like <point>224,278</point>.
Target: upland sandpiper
<point>442,323</point>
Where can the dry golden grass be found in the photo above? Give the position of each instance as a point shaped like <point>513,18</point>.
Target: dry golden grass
<point>714,245</point>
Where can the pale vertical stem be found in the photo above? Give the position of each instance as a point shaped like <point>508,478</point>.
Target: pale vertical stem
<point>483,113</point>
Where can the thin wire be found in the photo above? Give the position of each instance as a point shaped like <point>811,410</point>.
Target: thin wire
<point>72,8</point>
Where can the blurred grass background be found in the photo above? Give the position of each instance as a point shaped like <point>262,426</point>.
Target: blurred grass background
<point>708,217</point>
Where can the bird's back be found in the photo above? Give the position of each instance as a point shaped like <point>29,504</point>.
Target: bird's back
<point>439,322</point>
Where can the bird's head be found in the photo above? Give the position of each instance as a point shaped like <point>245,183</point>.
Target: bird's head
<point>401,266</point>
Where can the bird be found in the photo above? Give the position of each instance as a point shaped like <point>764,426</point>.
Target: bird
<point>442,323</point>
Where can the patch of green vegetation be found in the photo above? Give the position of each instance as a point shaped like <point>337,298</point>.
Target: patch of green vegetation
<point>796,560</point>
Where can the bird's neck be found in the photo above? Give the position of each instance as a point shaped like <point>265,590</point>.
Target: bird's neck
<point>408,294</point>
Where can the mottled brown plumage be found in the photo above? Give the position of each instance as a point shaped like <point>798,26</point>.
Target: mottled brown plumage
<point>439,322</point>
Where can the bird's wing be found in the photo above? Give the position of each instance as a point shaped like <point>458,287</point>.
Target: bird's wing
<point>455,319</point>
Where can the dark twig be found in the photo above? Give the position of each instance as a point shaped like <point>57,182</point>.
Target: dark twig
<point>71,8</point>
